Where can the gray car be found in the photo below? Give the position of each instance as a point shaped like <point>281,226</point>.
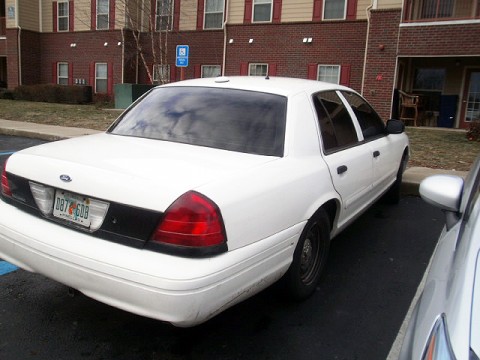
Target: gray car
<point>445,323</point>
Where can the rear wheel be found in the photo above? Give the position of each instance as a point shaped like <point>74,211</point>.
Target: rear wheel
<point>309,258</point>
<point>394,194</point>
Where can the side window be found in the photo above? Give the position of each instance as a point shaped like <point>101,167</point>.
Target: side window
<point>336,126</point>
<point>372,125</point>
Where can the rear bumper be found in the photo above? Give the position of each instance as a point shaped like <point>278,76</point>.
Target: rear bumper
<point>182,291</point>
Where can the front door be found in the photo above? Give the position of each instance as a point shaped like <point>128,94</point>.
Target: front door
<point>470,110</point>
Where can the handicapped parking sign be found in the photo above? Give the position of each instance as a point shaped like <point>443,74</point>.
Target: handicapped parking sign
<point>182,56</point>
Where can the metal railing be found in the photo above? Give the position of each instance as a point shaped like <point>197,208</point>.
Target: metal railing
<point>441,10</point>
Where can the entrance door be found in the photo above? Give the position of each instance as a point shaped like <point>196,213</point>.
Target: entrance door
<point>471,99</point>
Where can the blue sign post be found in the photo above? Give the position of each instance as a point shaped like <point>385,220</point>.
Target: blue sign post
<point>182,56</point>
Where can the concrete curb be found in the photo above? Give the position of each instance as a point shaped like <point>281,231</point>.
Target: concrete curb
<point>40,131</point>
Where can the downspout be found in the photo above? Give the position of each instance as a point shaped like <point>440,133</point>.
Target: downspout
<point>373,5</point>
<point>19,45</point>
<point>225,37</point>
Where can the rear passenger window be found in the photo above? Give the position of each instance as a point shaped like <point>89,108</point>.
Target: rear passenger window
<point>336,125</point>
<point>372,125</point>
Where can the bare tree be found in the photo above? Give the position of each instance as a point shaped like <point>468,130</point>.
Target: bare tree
<point>150,29</point>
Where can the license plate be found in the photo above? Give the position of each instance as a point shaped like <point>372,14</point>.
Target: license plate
<point>72,207</point>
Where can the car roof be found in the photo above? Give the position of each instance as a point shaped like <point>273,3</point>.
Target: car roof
<point>274,85</point>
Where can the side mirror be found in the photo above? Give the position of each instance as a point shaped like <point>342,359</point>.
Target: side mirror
<point>395,126</point>
<point>444,192</point>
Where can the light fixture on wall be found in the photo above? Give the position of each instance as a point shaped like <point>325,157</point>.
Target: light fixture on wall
<point>250,41</point>
<point>119,43</point>
<point>105,43</point>
<point>230,41</point>
<point>73,45</point>
<point>307,40</point>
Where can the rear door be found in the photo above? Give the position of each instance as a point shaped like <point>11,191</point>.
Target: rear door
<point>349,161</point>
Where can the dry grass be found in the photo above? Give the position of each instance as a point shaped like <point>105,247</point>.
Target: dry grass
<point>85,116</point>
<point>441,149</point>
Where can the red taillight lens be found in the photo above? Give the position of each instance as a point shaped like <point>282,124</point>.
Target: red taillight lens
<point>5,186</point>
<point>192,220</point>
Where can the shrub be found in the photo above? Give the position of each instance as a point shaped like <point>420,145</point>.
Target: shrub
<point>473,133</point>
<point>54,93</point>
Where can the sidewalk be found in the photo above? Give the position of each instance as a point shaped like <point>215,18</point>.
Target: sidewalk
<point>411,178</point>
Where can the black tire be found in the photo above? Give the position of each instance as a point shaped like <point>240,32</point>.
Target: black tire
<point>309,258</point>
<point>394,194</point>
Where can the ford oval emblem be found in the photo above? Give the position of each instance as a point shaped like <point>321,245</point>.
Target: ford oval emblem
<point>65,178</point>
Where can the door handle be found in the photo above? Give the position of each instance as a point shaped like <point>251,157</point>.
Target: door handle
<point>341,169</point>
<point>376,153</point>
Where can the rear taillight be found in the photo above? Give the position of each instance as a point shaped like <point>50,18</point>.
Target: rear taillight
<point>5,185</point>
<point>193,220</point>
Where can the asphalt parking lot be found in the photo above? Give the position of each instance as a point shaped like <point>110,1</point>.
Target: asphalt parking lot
<point>373,272</point>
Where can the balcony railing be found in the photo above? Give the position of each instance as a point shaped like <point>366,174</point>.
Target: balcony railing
<point>441,10</point>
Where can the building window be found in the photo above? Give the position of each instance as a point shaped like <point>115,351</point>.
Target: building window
<point>62,73</point>
<point>103,10</point>
<point>329,73</point>
<point>432,9</point>
<point>62,16</point>
<point>214,14</point>
<point>209,71</point>
<point>101,78</point>
<point>429,79</point>
<point>161,74</point>
<point>163,15</point>
<point>262,10</point>
<point>258,70</point>
<point>334,10</point>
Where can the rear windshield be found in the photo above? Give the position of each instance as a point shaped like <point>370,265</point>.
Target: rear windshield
<point>236,120</point>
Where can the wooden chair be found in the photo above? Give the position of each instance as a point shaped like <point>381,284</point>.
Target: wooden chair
<point>409,107</point>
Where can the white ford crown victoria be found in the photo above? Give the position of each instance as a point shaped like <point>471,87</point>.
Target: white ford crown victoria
<point>201,194</point>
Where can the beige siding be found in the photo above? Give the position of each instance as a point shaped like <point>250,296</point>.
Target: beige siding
<point>297,10</point>
<point>362,6</point>
<point>28,15</point>
<point>11,22</point>
<point>236,11</point>
<point>389,4</point>
<point>47,17</point>
<point>82,15</point>
<point>188,15</point>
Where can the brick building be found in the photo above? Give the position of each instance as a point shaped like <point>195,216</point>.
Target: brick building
<point>378,47</point>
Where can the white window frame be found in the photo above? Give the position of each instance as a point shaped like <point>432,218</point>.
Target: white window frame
<point>345,4</point>
<point>337,78</point>
<point>204,67</point>
<point>61,77</point>
<point>259,3</point>
<point>256,65</point>
<point>157,69</point>
<point>205,13</point>
<point>164,14</point>
<point>60,4</point>
<point>107,14</point>
<point>97,78</point>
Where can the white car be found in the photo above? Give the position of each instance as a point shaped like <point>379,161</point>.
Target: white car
<point>201,194</point>
<point>445,322</point>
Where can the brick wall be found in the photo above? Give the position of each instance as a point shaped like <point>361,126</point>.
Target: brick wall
<point>448,39</point>
<point>205,48</point>
<point>334,43</point>
<point>89,49</point>
<point>31,57</point>
<point>381,60</point>
<point>12,58</point>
